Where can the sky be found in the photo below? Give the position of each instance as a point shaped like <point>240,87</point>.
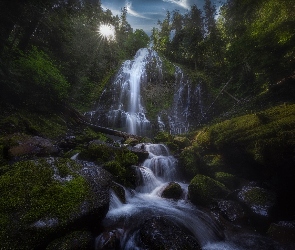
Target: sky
<point>144,14</point>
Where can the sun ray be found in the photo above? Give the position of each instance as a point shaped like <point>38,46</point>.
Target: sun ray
<point>107,31</point>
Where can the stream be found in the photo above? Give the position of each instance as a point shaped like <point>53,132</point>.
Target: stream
<point>124,221</point>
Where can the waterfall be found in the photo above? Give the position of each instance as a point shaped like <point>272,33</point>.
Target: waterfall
<point>121,105</point>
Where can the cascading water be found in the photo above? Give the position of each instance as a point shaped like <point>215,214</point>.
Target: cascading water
<point>122,104</point>
<point>126,220</point>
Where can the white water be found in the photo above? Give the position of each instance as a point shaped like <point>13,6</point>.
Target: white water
<point>155,173</point>
<point>128,111</point>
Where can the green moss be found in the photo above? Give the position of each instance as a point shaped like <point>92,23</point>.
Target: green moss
<point>88,134</point>
<point>190,161</point>
<point>115,169</point>
<point>213,163</point>
<point>163,137</point>
<point>229,180</point>
<point>203,190</point>
<point>44,124</point>
<point>172,191</point>
<point>131,141</point>
<point>265,139</point>
<point>258,196</point>
<point>97,152</point>
<point>31,191</point>
<point>181,142</point>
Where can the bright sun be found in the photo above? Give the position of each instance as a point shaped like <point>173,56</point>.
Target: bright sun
<point>107,31</point>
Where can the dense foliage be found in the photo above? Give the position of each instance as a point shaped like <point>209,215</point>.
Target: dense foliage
<point>53,52</point>
<point>250,42</point>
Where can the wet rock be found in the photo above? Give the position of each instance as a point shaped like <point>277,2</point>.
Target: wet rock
<point>140,152</point>
<point>172,191</point>
<point>46,198</point>
<point>283,232</point>
<point>119,191</point>
<point>232,211</point>
<point>78,240</point>
<point>109,240</point>
<point>159,233</point>
<point>203,190</point>
<point>27,146</point>
<point>259,200</point>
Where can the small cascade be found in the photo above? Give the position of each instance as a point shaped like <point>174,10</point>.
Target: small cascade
<point>187,105</point>
<point>144,203</point>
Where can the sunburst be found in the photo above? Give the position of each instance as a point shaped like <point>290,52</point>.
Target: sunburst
<point>107,31</point>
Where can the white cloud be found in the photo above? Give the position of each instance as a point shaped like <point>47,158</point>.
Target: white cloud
<point>130,11</point>
<point>182,3</point>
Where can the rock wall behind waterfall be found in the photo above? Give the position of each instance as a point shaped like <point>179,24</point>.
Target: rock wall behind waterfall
<point>149,94</point>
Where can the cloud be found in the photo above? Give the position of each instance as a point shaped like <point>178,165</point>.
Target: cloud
<point>182,3</point>
<point>130,11</point>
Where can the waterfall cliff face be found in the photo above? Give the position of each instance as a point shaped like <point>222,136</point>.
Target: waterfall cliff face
<point>133,101</point>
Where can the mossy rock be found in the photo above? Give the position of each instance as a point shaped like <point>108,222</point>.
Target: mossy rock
<point>181,142</point>
<point>131,141</point>
<point>259,200</point>
<point>229,180</point>
<point>163,137</point>
<point>88,134</point>
<point>172,191</point>
<point>203,190</point>
<point>79,240</point>
<point>213,163</point>
<point>44,198</point>
<point>190,162</point>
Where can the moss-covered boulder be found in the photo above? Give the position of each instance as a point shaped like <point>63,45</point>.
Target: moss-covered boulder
<point>172,191</point>
<point>203,190</point>
<point>229,180</point>
<point>45,198</point>
<point>259,200</point>
<point>213,163</point>
<point>77,240</point>
<point>181,142</point>
<point>163,137</point>
<point>119,161</point>
<point>190,162</point>
<point>131,141</point>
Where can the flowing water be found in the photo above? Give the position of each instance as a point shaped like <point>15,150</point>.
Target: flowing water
<point>123,222</point>
<point>121,105</point>
<point>126,219</point>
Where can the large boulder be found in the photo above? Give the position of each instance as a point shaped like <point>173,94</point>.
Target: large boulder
<point>22,146</point>
<point>203,190</point>
<point>172,191</point>
<point>159,233</point>
<point>43,199</point>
